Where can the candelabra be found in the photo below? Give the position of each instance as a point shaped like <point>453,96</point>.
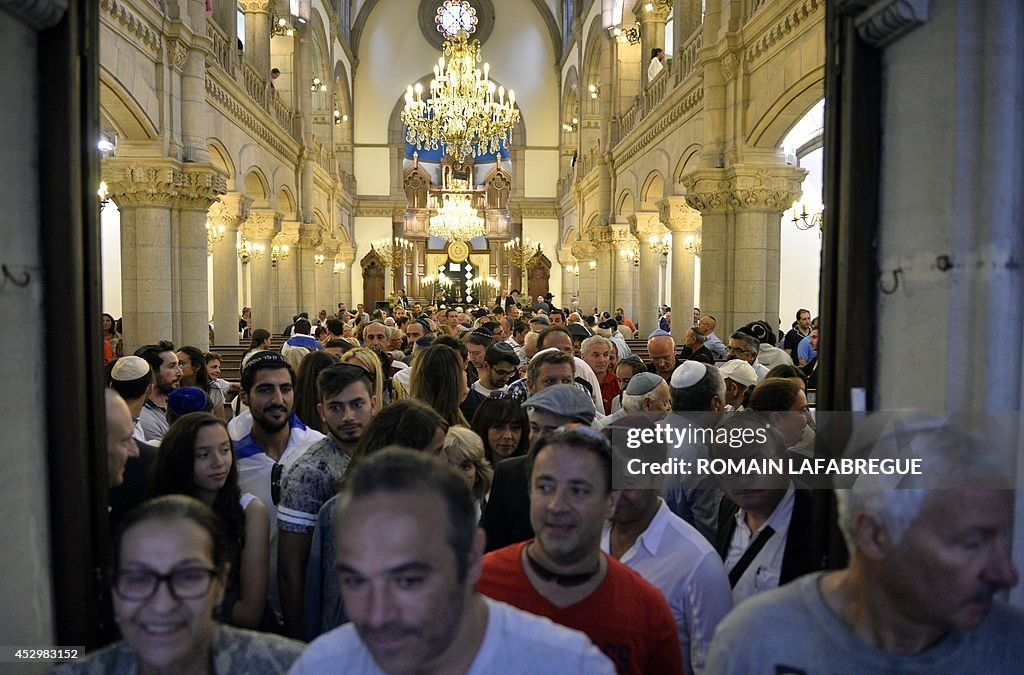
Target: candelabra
<point>805,221</point>
<point>392,251</point>
<point>318,259</point>
<point>278,252</point>
<point>488,288</point>
<point>249,251</point>
<point>279,27</point>
<point>339,267</point>
<point>523,254</point>
<point>660,245</point>
<point>694,245</point>
<point>631,254</point>
<point>436,282</point>
<point>214,234</point>
<point>317,85</point>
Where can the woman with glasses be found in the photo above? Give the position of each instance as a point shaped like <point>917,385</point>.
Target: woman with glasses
<point>172,561</point>
<point>503,425</point>
<point>197,458</point>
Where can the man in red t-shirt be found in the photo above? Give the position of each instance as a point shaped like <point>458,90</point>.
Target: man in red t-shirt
<point>596,351</point>
<point>562,573</point>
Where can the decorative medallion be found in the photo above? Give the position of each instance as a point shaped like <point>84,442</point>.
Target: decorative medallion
<point>458,251</point>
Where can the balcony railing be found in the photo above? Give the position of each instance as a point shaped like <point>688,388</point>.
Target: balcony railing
<point>223,50</point>
<point>688,55</point>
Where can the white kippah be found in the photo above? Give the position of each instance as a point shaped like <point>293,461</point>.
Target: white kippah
<point>688,374</point>
<point>129,368</point>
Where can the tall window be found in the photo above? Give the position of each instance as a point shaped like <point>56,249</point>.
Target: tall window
<point>670,36</point>
<point>567,17</point>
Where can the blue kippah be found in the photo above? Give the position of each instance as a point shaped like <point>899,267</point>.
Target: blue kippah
<point>184,400</point>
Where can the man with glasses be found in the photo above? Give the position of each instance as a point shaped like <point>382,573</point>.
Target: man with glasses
<point>499,367</point>
<point>268,439</point>
<point>347,404</point>
<point>745,347</point>
<point>562,573</point>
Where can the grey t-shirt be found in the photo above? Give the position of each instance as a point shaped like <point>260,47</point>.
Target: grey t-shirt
<point>791,631</point>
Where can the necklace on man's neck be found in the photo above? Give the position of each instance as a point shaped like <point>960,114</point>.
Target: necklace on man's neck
<point>560,579</point>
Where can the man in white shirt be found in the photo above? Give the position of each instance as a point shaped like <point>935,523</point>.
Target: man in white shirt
<point>500,366</point>
<point>411,596</point>
<point>671,554</point>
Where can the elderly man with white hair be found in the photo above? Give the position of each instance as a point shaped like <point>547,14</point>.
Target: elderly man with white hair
<point>928,559</point>
<point>646,392</point>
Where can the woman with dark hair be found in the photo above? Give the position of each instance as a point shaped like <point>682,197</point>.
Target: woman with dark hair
<point>408,423</point>
<point>197,458</point>
<point>624,372</point>
<point>260,340</point>
<point>439,380</point>
<point>306,393</point>
<point>502,424</point>
<point>783,404</point>
<point>194,374</point>
<point>172,561</point>
<point>112,338</point>
<point>789,373</point>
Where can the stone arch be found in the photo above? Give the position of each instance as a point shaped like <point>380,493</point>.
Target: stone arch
<point>570,106</point>
<point>284,177</point>
<point>321,220</point>
<point>541,6</point>
<point>652,190</point>
<point>286,203</point>
<point>342,89</point>
<point>775,122</point>
<point>570,237</point>
<point>592,222</point>
<point>321,63</point>
<point>256,185</point>
<point>625,205</point>
<point>688,161</point>
<point>127,116</point>
<point>597,68</point>
<point>221,158</point>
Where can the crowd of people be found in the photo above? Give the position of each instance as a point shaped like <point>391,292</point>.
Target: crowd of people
<point>430,489</point>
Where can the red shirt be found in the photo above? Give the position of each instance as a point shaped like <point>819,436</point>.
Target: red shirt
<point>626,617</point>
<point>609,390</point>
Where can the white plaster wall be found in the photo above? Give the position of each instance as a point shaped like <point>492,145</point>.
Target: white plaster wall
<point>801,250</point>
<point>541,173</point>
<point>369,229</point>
<point>372,169</point>
<point>110,259</point>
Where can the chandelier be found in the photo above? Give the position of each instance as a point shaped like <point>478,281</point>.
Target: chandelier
<point>465,112</point>
<point>457,218</point>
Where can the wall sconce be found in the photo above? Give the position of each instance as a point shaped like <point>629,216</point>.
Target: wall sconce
<point>804,221</point>
<point>694,245</point>
<point>632,254</point>
<point>571,125</point>
<point>573,270</point>
<point>595,91</point>
<point>339,267</point>
<point>318,259</point>
<point>214,234</point>
<point>278,252</point>
<point>629,35</point>
<point>661,245</point>
<point>103,194</point>
<point>280,27</point>
<point>318,85</point>
<point>249,251</point>
<point>592,265</point>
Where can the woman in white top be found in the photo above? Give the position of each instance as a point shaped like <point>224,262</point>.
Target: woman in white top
<point>197,458</point>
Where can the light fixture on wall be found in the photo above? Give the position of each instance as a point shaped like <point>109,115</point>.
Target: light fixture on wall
<point>592,265</point>
<point>631,255</point>
<point>626,35</point>
<point>573,270</point>
<point>805,221</point>
<point>595,91</point>
<point>280,27</point>
<point>103,194</point>
<point>318,259</point>
<point>462,111</point>
<point>278,252</point>
<point>571,125</point>
<point>249,251</point>
<point>694,245</point>
<point>214,234</point>
<point>339,266</point>
<point>661,245</point>
<point>317,85</point>
<point>392,251</point>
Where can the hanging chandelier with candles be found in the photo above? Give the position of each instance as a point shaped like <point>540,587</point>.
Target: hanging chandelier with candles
<point>465,111</point>
<point>457,217</point>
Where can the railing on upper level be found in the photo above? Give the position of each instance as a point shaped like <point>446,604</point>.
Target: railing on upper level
<point>322,157</point>
<point>750,7</point>
<point>223,50</point>
<point>565,184</point>
<point>348,181</point>
<point>657,87</point>
<point>588,161</point>
<point>688,55</point>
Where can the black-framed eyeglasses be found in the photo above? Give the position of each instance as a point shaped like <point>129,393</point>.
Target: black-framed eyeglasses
<point>275,483</point>
<point>189,583</point>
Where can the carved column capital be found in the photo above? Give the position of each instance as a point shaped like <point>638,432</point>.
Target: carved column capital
<point>255,6</point>
<point>583,250</point>
<point>346,253</point>
<point>646,224</point>
<point>262,224</point>
<point>658,12</point>
<point>565,256</point>
<point>199,185</point>
<point>744,188</point>
<point>675,214</point>
<point>289,234</point>
<point>229,210</point>
<point>163,182</point>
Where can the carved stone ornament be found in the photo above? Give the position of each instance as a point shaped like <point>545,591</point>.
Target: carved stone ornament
<point>262,225</point>
<point>163,184</point>
<point>177,54</point>
<point>254,6</point>
<point>744,188</point>
<point>887,20</point>
<point>677,216</point>
<point>229,210</point>
<point>730,64</point>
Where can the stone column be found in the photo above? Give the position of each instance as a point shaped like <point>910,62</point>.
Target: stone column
<point>228,212</point>
<point>189,60</point>
<point>741,208</point>
<point>304,75</point>
<point>285,274</point>
<point>686,19</point>
<point>685,225</point>
<point>346,255</point>
<point>646,226</point>
<point>652,34</point>
<point>586,254</point>
<point>260,229</point>
<point>569,280</point>
<point>607,261</point>
<point>623,277</point>
<point>257,35</point>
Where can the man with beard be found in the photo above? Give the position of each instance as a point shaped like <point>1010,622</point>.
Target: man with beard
<point>562,573</point>
<point>347,404</point>
<point>163,362</point>
<point>410,594</point>
<point>268,438</point>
